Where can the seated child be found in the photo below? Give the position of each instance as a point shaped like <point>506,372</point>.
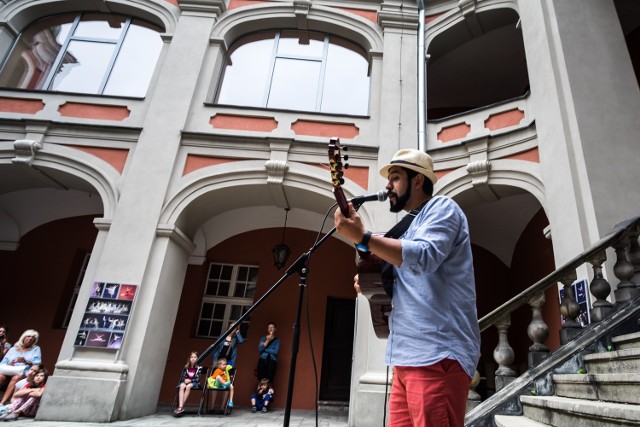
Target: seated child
<point>221,379</point>
<point>189,378</point>
<point>263,396</point>
<point>33,370</point>
<point>27,399</point>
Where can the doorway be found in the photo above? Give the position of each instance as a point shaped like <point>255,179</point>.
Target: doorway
<point>335,379</point>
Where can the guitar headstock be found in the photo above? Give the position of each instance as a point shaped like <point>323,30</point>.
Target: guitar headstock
<point>337,174</point>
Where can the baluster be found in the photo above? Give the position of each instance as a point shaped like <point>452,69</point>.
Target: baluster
<point>570,309</point>
<point>623,270</point>
<point>634,254</point>
<point>600,289</point>
<point>538,331</point>
<point>473,397</point>
<point>503,354</point>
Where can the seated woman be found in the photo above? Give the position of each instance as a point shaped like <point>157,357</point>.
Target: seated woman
<point>17,361</point>
<point>27,399</point>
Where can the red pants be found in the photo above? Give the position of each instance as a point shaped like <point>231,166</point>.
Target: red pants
<point>429,396</point>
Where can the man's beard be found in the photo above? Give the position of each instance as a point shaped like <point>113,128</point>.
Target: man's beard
<point>401,201</point>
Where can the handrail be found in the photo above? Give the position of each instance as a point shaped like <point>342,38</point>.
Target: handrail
<point>617,233</point>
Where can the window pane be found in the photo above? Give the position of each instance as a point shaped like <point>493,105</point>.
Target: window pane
<point>236,312</point>
<point>346,84</point>
<point>214,271</point>
<point>227,271</point>
<point>240,290</point>
<point>84,67</point>
<point>207,311</point>
<point>245,78</point>
<point>216,329</point>
<point>295,85</point>
<point>136,62</point>
<point>218,311</point>
<point>35,53</point>
<point>304,44</point>
<point>95,26</point>
<point>203,328</point>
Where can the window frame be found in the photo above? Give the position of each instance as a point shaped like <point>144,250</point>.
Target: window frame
<point>229,300</point>
<point>328,39</point>
<point>75,19</point>
<point>76,291</point>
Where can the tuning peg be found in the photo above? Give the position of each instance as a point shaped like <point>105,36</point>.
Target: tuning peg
<point>346,165</point>
<point>346,158</point>
<point>341,181</point>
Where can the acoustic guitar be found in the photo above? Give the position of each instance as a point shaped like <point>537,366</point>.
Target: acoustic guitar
<point>369,265</point>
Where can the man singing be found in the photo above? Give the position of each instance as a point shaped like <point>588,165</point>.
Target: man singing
<point>434,339</point>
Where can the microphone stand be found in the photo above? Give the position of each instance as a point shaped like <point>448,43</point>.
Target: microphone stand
<point>299,266</point>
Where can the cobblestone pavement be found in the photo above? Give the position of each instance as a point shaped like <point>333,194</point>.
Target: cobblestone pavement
<point>239,417</point>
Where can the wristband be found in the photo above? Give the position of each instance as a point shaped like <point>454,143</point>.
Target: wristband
<point>364,244</point>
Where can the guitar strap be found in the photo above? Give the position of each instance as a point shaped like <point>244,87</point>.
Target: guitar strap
<point>398,230</point>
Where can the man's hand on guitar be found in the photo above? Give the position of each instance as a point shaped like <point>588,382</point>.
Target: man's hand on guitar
<point>351,227</point>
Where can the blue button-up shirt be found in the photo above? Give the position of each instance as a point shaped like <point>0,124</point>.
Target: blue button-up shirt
<point>434,298</point>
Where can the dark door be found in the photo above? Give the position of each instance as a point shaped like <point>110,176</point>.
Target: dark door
<point>335,379</point>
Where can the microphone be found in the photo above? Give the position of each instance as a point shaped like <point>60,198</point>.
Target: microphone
<point>380,196</point>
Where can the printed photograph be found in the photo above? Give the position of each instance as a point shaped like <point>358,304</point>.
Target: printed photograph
<point>97,339</point>
<point>127,292</point>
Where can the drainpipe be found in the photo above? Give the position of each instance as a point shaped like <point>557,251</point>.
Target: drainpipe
<point>422,107</point>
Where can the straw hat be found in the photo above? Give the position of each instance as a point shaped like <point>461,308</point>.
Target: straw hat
<point>412,159</point>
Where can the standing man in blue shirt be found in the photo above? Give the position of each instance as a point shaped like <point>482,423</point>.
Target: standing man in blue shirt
<point>434,339</point>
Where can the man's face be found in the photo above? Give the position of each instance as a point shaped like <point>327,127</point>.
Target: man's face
<point>271,329</point>
<point>398,189</point>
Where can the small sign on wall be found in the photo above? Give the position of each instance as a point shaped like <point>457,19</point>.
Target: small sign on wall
<point>581,296</point>
<point>106,316</point>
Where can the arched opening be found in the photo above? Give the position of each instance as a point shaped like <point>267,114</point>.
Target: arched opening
<point>477,62</point>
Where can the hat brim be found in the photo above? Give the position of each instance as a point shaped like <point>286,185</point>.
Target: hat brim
<point>384,171</point>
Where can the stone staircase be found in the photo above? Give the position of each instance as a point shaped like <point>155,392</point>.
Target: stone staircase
<point>606,392</point>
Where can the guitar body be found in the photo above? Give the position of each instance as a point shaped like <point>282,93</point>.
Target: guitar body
<point>369,267</point>
<point>370,280</point>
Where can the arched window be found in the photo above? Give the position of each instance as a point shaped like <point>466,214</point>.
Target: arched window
<point>88,53</point>
<point>296,70</point>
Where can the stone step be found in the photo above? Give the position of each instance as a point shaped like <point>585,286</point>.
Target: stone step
<point>567,412</point>
<point>614,362</point>
<point>620,388</point>
<point>624,342</point>
<point>516,421</point>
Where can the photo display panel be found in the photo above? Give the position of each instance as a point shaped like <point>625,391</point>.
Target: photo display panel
<point>106,316</point>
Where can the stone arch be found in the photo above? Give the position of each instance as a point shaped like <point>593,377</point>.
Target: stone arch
<point>77,173</point>
<point>507,189</point>
<point>517,173</point>
<point>19,14</point>
<point>287,16</point>
<point>226,192</point>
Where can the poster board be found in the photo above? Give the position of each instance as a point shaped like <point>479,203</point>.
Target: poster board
<point>581,295</point>
<point>106,316</point>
